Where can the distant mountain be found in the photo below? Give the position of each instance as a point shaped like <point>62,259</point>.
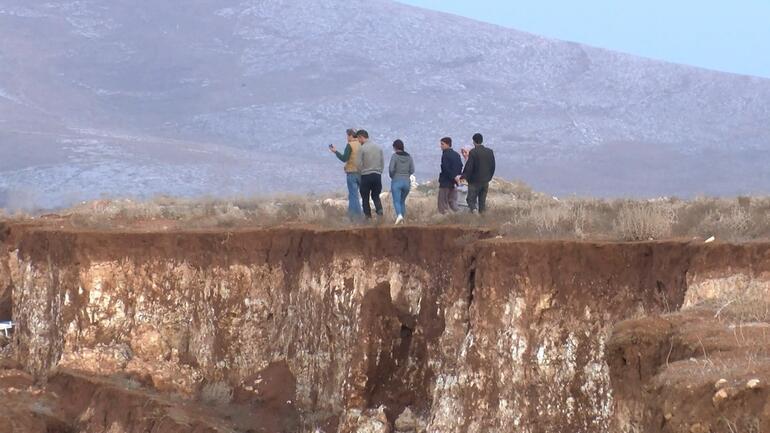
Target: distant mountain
<point>225,97</point>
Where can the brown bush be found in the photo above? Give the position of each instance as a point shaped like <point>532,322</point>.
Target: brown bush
<point>637,221</point>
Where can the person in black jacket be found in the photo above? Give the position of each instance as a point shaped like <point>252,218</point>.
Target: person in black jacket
<point>478,171</point>
<point>451,167</point>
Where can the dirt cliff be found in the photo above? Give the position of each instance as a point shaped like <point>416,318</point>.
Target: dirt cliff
<point>704,369</point>
<point>369,330</point>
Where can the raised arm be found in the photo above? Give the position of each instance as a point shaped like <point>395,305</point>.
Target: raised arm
<point>344,157</point>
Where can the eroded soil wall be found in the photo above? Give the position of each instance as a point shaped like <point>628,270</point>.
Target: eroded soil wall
<point>470,334</point>
<point>704,369</point>
<point>345,310</point>
<point>525,351</point>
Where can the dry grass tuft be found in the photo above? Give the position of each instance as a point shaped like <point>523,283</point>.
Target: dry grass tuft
<point>743,308</point>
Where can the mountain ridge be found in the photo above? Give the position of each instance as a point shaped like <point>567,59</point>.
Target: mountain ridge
<point>591,46</point>
<point>241,97</point>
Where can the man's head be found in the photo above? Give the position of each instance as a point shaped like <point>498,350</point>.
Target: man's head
<point>478,139</point>
<point>362,136</point>
<point>351,134</point>
<point>446,143</point>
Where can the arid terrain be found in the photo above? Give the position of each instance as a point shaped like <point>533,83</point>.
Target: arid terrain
<point>278,316</point>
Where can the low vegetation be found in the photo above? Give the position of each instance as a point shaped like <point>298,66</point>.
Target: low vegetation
<point>514,210</point>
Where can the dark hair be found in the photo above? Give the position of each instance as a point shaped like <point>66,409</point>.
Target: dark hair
<point>447,141</point>
<point>351,132</point>
<point>478,138</point>
<point>398,145</point>
<point>362,133</point>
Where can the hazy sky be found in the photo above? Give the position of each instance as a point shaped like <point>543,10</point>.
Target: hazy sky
<point>729,36</point>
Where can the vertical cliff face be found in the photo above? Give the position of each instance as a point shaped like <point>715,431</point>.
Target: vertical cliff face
<point>527,343</point>
<point>351,313</point>
<point>397,329</point>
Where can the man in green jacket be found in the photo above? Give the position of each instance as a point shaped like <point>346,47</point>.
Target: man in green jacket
<point>353,173</point>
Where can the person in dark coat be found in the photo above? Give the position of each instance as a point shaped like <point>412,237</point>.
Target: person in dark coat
<point>451,167</point>
<point>478,172</point>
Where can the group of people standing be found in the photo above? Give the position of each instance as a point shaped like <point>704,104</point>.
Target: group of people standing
<point>365,162</point>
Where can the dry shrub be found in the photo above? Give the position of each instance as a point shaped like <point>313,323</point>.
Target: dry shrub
<point>738,219</point>
<point>733,220</point>
<point>741,309</point>
<point>727,222</point>
<point>745,424</point>
<point>217,394</point>
<point>644,220</point>
<point>548,217</point>
<point>551,218</point>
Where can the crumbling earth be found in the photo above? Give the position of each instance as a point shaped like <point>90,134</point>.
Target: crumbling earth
<point>409,329</point>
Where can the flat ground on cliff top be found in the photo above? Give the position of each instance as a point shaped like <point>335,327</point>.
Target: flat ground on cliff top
<point>514,211</point>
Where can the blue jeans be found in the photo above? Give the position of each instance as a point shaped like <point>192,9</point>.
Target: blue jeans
<point>400,189</point>
<point>354,197</point>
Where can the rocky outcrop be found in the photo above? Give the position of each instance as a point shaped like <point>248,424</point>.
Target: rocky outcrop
<point>387,329</point>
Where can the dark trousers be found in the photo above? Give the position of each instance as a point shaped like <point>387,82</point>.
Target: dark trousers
<point>371,186</point>
<point>477,196</point>
<point>447,199</point>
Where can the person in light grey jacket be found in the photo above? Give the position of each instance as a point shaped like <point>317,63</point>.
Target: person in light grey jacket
<point>401,170</point>
<point>371,164</point>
